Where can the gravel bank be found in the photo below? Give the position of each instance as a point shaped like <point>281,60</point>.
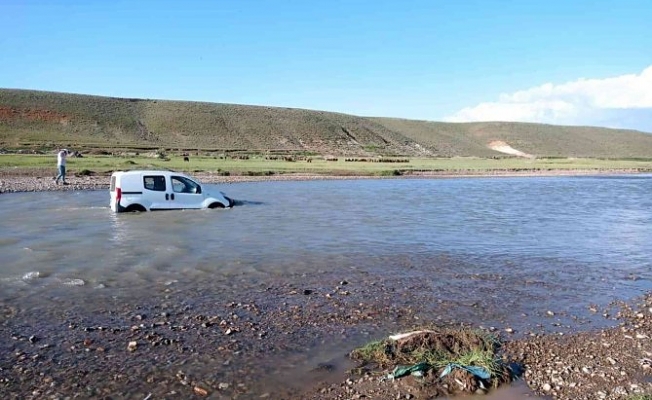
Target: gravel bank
<point>608,364</point>
<point>179,341</point>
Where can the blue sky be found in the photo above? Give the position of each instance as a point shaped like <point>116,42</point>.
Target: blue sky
<point>432,60</point>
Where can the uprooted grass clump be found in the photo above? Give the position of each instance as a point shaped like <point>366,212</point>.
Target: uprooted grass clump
<point>441,361</point>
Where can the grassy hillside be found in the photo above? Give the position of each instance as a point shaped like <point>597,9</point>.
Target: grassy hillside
<point>33,119</point>
<point>538,139</point>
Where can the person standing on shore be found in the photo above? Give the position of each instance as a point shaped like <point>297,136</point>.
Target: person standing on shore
<point>61,166</point>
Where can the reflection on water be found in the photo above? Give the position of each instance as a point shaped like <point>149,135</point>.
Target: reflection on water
<point>577,240</point>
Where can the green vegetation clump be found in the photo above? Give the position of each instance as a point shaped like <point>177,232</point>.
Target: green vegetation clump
<point>161,155</point>
<point>371,148</point>
<point>434,350</point>
<point>436,347</point>
<point>258,173</point>
<point>85,172</point>
<point>391,172</point>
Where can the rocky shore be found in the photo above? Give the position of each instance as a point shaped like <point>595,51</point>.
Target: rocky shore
<point>614,363</point>
<point>282,339</point>
<point>11,184</point>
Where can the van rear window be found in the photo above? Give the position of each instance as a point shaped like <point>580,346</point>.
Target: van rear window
<point>112,189</point>
<point>156,183</point>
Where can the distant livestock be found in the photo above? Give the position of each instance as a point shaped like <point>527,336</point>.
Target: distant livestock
<point>186,159</point>
<point>378,160</point>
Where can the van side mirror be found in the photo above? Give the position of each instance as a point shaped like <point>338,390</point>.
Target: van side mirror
<point>198,189</point>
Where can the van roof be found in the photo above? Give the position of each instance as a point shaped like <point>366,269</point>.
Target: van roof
<point>147,172</point>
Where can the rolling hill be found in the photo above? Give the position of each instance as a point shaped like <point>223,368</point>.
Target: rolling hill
<point>36,119</point>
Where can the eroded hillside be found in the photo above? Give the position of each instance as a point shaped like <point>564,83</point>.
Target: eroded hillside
<point>47,119</point>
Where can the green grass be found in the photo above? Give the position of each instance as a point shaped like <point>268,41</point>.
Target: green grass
<point>261,166</point>
<point>640,397</point>
<point>375,351</point>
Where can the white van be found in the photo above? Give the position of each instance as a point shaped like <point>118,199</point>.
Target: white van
<point>161,190</point>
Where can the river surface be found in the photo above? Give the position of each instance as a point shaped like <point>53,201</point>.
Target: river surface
<point>496,250</point>
<point>591,237</point>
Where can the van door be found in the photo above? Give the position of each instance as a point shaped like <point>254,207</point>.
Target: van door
<point>156,193</point>
<point>187,193</point>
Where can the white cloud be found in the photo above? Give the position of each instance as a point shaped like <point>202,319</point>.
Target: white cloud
<point>621,102</point>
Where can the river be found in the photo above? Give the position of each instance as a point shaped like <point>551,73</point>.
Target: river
<point>506,251</point>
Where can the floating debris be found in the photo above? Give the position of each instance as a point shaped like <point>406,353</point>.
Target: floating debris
<point>31,275</point>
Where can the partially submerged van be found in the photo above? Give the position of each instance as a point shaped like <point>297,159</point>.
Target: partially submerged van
<point>161,190</point>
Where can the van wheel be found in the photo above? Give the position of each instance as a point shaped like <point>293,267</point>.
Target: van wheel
<point>216,205</point>
<point>135,208</point>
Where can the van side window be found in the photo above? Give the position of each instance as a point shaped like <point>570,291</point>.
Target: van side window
<point>156,183</point>
<point>184,185</point>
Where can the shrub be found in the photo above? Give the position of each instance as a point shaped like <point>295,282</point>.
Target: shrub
<point>85,172</point>
<point>391,172</point>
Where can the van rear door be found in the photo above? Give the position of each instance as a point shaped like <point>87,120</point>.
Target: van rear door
<point>114,198</point>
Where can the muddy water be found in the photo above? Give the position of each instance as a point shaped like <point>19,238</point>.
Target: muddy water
<point>561,240</point>
<point>489,252</point>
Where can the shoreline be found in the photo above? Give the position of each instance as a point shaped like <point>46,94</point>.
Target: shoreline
<point>25,182</point>
<point>277,342</point>
<point>48,350</point>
